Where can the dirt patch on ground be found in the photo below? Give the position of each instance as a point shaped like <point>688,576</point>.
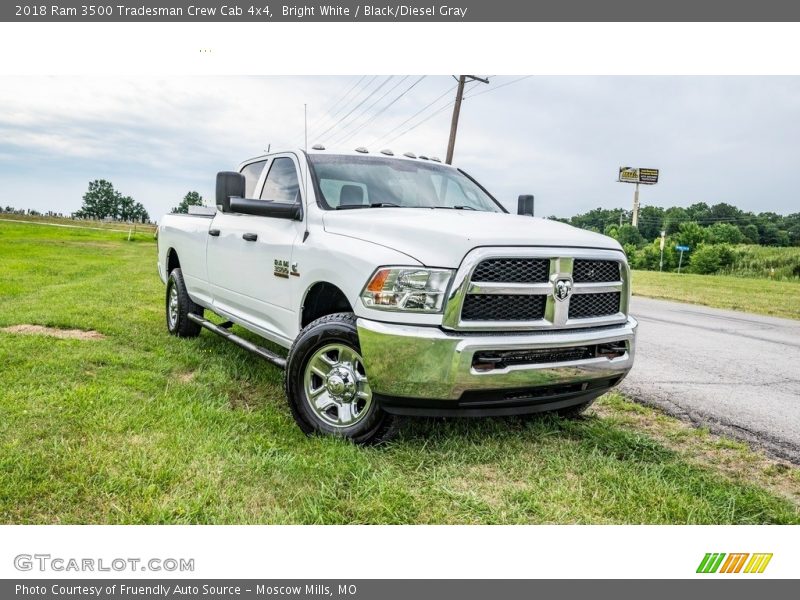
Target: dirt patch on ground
<point>64,334</point>
<point>186,377</point>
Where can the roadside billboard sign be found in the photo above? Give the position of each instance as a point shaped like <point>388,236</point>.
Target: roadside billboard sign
<point>635,175</point>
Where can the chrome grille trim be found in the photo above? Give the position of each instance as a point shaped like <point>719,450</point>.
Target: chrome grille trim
<point>556,314</point>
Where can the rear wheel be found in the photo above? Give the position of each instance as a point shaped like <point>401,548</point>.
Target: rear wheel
<point>179,305</point>
<point>327,383</point>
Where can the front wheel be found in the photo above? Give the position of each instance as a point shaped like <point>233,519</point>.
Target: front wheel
<point>327,384</point>
<point>179,305</point>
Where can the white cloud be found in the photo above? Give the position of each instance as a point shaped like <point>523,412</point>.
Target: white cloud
<point>561,138</point>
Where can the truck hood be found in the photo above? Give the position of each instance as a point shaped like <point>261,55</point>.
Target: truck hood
<point>442,237</point>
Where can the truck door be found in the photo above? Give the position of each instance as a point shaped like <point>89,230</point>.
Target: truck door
<point>249,259</point>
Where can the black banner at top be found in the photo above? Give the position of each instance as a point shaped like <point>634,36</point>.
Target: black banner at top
<point>407,11</point>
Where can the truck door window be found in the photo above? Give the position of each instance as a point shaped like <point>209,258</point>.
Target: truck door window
<point>251,174</point>
<point>282,184</point>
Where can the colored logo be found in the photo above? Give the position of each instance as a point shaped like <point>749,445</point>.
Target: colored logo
<point>741,562</point>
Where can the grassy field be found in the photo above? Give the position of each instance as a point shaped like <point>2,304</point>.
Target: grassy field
<point>768,262</point>
<point>135,426</point>
<point>777,298</point>
<point>105,225</point>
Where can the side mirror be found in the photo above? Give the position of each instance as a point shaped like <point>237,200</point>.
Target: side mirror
<point>266,208</point>
<point>229,183</point>
<point>525,205</point>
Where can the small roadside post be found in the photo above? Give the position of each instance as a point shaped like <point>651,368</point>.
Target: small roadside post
<point>681,249</point>
<point>637,176</point>
<point>661,260</point>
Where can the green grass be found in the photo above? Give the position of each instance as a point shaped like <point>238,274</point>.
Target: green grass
<point>140,227</point>
<point>776,298</point>
<point>141,427</point>
<point>768,262</point>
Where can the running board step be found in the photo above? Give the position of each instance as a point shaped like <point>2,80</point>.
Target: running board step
<point>221,331</point>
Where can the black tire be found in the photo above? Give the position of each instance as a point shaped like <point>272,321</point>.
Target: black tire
<point>374,426</point>
<point>181,325</point>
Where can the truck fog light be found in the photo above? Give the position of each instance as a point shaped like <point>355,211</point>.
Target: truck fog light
<point>407,289</point>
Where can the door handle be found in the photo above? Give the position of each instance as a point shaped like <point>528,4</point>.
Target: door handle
<point>249,237</point>
<point>214,232</point>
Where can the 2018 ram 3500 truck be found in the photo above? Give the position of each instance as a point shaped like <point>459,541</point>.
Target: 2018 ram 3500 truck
<point>400,286</point>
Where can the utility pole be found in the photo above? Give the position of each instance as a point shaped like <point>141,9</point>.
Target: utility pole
<point>451,145</point>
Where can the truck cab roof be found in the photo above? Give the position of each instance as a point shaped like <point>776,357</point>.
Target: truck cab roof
<point>339,151</point>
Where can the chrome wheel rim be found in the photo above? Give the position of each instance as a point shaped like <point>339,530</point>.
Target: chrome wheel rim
<point>172,307</point>
<point>336,386</point>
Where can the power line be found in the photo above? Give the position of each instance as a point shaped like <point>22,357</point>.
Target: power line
<point>420,111</point>
<point>335,104</point>
<point>384,108</point>
<point>371,106</point>
<point>428,118</point>
<point>356,107</point>
<point>326,112</point>
<point>329,118</point>
<point>494,89</point>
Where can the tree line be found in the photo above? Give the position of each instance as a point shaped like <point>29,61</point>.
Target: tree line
<point>722,222</point>
<point>721,238</point>
<point>102,201</point>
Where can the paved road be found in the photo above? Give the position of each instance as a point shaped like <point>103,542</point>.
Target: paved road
<point>735,372</point>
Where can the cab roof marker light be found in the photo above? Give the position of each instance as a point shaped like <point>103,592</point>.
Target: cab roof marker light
<point>362,150</point>
<point>410,155</point>
<point>423,157</point>
<point>387,152</point>
<point>318,147</point>
<point>436,159</point>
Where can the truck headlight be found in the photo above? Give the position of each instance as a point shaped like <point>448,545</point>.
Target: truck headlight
<point>407,289</point>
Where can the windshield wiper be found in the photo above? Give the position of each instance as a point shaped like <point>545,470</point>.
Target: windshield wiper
<point>372,205</point>
<point>458,207</point>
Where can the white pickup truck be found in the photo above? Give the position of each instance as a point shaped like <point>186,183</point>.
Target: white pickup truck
<point>400,286</point>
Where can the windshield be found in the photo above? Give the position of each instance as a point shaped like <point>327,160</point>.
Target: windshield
<point>347,182</point>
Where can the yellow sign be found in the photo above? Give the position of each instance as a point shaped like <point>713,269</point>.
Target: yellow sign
<point>628,175</point>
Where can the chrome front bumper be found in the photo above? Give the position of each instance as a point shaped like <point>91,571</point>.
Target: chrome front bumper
<point>404,361</point>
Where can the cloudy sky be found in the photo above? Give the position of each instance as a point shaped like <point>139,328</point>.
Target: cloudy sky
<point>715,139</point>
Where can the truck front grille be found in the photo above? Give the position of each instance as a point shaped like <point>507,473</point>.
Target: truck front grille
<point>595,270</point>
<point>587,306</point>
<point>512,270</point>
<point>520,292</point>
<point>500,307</point>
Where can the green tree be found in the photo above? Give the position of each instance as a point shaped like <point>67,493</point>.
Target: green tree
<point>651,221</point>
<point>724,233</point>
<point>100,201</point>
<point>750,233</point>
<point>709,258</point>
<point>690,234</point>
<point>673,217</point>
<point>190,199</point>
<point>699,211</point>
<point>629,235</point>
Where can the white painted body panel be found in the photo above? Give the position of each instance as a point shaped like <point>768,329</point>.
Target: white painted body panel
<point>442,237</point>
